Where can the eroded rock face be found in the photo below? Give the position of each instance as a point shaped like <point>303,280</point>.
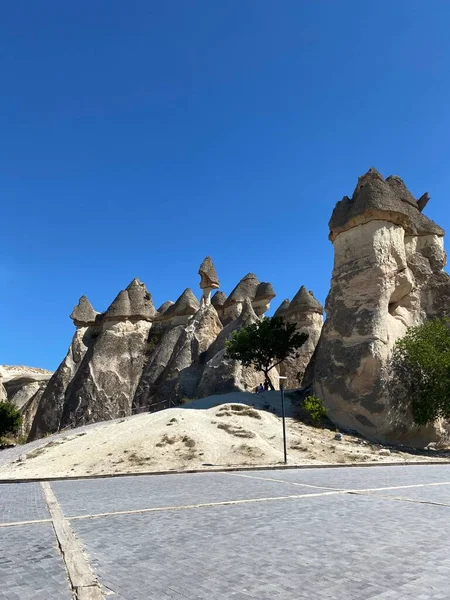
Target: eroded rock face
<point>98,378</point>
<point>180,312</point>
<point>222,375</point>
<point>103,387</point>
<point>50,407</point>
<point>133,358</point>
<point>307,314</point>
<point>387,276</point>
<point>24,386</point>
<point>259,293</point>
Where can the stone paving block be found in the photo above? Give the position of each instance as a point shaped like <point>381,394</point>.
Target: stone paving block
<point>343,546</point>
<point>439,494</point>
<point>22,502</point>
<point>31,565</point>
<point>95,496</point>
<point>361,477</point>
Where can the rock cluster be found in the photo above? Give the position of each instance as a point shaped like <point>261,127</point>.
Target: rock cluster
<point>388,275</point>
<point>133,358</point>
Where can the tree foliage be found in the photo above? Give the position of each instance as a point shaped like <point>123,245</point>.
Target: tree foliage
<point>265,344</point>
<point>315,408</point>
<point>10,418</point>
<point>420,370</point>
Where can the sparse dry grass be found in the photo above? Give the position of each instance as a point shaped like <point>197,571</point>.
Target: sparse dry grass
<point>236,430</point>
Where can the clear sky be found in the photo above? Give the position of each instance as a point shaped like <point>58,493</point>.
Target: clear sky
<point>137,137</point>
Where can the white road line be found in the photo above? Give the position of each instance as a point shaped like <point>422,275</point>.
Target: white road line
<point>308,485</point>
<point>203,505</point>
<point>349,490</point>
<point>32,522</point>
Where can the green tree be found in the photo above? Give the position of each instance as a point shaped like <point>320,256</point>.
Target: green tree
<point>420,370</point>
<point>265,344</point>
<point>10,418</point>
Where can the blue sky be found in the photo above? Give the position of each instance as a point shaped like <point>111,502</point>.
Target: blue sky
<point>138,137</point>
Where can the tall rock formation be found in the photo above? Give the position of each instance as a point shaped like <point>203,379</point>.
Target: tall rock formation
<point>388,275</point>
<point>51,404</point>
<point>98,378</point>
<point>307,314</point>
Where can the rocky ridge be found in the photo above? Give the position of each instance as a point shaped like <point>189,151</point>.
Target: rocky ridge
<point>134,358</point>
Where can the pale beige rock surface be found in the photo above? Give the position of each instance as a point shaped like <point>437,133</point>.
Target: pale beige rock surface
<point>388,274</point>
<point>23,386</point>
<point>221,374</point>
<point>306,313</point>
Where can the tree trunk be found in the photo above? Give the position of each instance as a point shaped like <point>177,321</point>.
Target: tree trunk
<point>269,381</point>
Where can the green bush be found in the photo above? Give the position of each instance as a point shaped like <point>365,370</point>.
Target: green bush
<point>315,408</point>
<point>420,371</point>
<point>10,418</point>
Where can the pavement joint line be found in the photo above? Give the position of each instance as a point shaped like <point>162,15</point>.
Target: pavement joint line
<point>323,487</point>
<point>399,487</point>
<point>83,581</point>
<point>202,505</point>
<point>308,485</point>
<point>32,522</point>
<point>355,491</point>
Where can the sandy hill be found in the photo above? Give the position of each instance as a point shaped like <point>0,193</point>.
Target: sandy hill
<point>229,430</point>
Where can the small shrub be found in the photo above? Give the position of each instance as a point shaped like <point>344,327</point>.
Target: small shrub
<point>315,408</point>
<point>10,418</point>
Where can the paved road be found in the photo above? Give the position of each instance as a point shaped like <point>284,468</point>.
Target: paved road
<point>356,533</point>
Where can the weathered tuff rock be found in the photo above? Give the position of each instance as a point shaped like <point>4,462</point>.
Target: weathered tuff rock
<point>259,293</point>
<point>388,275</point>
<point>218,300</point>
<point>24,386</point>
<point>98,378</point>
<point>220,374</point>
<point>180,312</point>
<point>162,309</point>
<point>307,314</point>
<point>132,358</point>
<point>83,313</point>
<point>208,279</point>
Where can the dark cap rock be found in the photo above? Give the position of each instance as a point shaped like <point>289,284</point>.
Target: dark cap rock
<point>265,291</point>
<point>246,288</point>
<point>208,275</point>
<point>135,302</point>
<point>304,301</point>
<point>187,304</point>
<point>375,198</point>
<point>281,310</point>
<point>162,309</point>
<point>83,313</point>
<point>218,300</point>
